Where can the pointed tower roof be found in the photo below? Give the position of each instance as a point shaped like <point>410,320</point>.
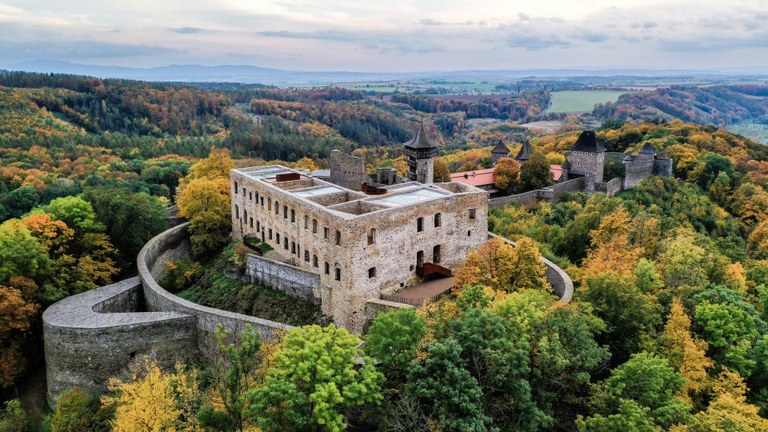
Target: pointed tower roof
<point>648,148</point>
<point>587,142</point>
<point>421,140</point>
<point>500,149</point>
<point>525,152</point>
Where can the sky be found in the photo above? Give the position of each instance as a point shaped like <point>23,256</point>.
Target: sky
<point>390,35</point>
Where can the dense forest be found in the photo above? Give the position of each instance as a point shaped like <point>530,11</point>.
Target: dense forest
<point>716,105</point>
<point>668,328</point>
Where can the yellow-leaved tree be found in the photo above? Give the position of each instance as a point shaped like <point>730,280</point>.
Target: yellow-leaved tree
<point>685,353</point>
<point>728,411</point>
<point>205,202</point>
<point>506,174</point>
<point>503,267</point>
<point>611,247</point>
<point>217,164</point>
<point>155,401</point>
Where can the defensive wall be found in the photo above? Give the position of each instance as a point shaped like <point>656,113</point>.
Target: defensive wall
<point>551,193</point>
<point>93,336</point>
<point>174,244</point>
<point>283,277</point>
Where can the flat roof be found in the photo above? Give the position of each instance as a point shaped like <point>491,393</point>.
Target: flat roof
<point>318,191</point>
<point>410,197</point>
<point>265,172</point>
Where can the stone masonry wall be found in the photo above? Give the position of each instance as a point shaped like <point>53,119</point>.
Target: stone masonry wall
<point>636,171</point>
<point>291,280</point>
<point>174,244</point>
<point>92,337</point>
<point>347,171</point>
<point>552,194</point>
<point>610,188</point>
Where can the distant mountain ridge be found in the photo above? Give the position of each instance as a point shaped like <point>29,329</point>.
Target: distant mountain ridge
<point>262,75</point>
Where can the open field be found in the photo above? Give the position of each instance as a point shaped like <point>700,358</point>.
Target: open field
<point>755,131</point>
<point>580,101</point>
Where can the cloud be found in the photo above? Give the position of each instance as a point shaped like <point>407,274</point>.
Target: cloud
<point>187,30</point>
<point>383,42</point>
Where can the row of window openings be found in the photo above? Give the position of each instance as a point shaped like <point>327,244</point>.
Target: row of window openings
<point>326,230</point>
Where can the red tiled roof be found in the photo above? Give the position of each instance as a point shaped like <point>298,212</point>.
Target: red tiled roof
<point>483,177</point>
<point>557,172</point>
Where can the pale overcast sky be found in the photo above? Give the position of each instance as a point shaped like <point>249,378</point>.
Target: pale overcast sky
<point>390,35</point>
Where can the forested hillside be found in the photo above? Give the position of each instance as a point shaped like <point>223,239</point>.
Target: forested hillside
<point>716,105</point>
<point>668,328</point>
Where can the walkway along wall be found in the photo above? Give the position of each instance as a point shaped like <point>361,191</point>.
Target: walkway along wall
<point>93,336</point>
<point>174,244</point>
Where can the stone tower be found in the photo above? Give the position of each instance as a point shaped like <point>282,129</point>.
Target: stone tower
<point>587,159</point>
<point>498,152</point>
<point>420,153</point>
<point>525,152</point>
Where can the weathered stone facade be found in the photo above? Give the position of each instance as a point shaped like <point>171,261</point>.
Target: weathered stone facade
<point>644,164</point>
<point>289,279</point>
<point>347,171</point>
<point>359,245</point>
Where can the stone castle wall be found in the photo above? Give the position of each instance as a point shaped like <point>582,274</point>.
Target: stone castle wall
<point>609,188</point>
<point>173,244</point>
<point>635,171</point>
<point>347,171</point>
<point>551,194</point>
<point>92,337</point>
<point>286,278</point>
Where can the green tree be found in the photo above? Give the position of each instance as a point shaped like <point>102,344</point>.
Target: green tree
<point>392,339</point>
<point>13,418</point>
<point>21,254</point>
<point>535,172</point>
<point>233,370</point>
<point>630,315</point>
<point>451,393</point>
<point>648,381</point>
<point>76,411</point>
<point>320,373</point>
<point>130,219</point>
<point>629,417</point>
<point>76,212</point>
<point>22,200</point>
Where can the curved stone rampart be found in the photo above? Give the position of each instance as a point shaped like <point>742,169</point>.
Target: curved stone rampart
<point>173,244</point>
<point>93,336</point>
<point>559,279</point>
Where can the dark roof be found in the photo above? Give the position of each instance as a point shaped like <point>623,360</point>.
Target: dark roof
<point>500,149</point>
<point>525,152</point>
<point>587,142</point>
<point>648,149</point>
<point>421,140</point>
